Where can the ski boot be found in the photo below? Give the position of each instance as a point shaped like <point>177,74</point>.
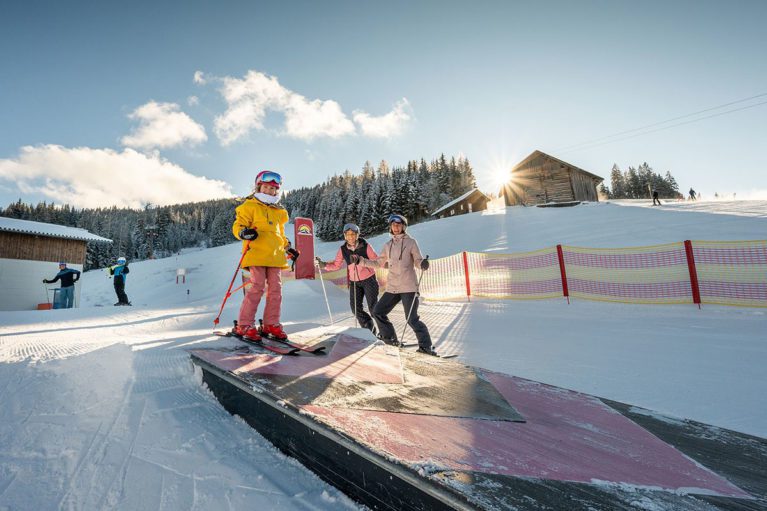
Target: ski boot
<point>390,342</point>
<point>247,331</point>
<point>427,351</point>
<point>274,331</point>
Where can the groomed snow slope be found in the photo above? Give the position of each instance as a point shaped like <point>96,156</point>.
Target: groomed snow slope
<point>101,408</point>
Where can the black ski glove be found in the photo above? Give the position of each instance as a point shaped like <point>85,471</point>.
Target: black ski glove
<point>320,262</point>
<point>425,264</point>
<point>292,254</point>
<point>46,281</point>
<point>248,234</point>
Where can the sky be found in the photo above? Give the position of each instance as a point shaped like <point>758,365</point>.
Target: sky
<point>107,103</point>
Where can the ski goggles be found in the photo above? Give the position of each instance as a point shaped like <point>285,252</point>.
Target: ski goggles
<point>351,227</point>
<point>396,219</point>
<point>269,177</point>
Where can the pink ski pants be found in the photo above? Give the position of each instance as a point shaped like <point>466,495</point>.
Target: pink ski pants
<point>262,277</point>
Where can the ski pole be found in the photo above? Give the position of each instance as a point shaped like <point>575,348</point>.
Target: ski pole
<point>47,294</point>
<point>322,281</point>
<point>415,297</point>
<point>354,285</point>
<point>228,291</point>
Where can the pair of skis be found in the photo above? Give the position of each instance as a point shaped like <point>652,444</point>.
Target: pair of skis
<point>274,344</point>
<point>411,345</point>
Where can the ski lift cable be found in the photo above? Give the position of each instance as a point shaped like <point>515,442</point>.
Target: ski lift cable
<point>600,139</point>
<point>595,144</point>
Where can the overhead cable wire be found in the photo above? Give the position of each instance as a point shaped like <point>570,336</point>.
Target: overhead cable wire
<point>605,140</point>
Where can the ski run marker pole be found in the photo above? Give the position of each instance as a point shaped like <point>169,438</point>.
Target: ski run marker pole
<point>228,291</point>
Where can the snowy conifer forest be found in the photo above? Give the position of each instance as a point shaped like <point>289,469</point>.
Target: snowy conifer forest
<point>637,183</point>
<point>366,199</point>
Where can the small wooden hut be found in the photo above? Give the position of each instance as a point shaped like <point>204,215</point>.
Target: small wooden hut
<point>30,252</point>
<point>543,179</point>
<point>471,201</point>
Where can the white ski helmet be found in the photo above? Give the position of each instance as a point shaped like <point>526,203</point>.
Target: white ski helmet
<point>121,260</point>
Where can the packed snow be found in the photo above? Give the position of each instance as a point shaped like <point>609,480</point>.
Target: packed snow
<point>102,409</point>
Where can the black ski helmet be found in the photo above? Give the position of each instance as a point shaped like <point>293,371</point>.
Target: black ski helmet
<point>351,227</point>
<point>398,219</point>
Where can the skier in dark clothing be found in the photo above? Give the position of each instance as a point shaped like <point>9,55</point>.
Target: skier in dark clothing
<point>655,197</point>
<point>120,270</point>
<point>692,194</point>
<point>68,278</point>
<point>362,281</point>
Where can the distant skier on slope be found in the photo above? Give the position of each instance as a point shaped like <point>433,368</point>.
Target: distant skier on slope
<point>119,271</point>
<point>362,281</point>
<point>260,223</point>
<point>692,194</point>
<point>68,278</point>
<point>655,198</point>
<point>403,256</point>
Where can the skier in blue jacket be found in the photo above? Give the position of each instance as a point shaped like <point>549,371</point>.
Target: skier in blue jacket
<point>68,278</point>
<point>120,270</point>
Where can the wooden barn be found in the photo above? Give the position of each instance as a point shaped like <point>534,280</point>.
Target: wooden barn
<point>30,252</point>
<point>473,200</point>
<point>543,179</point>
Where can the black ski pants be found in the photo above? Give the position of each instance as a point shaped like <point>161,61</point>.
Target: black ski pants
<point>367,289</point>
<point>385,328</point>
<point>120,290</point>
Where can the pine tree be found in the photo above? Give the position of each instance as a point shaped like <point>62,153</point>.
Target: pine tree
<point>633,186</point>
<point>617,183</point>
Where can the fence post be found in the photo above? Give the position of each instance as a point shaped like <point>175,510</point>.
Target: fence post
<point>562,271</point>
<point>466,274</point>
<point>693,272</point>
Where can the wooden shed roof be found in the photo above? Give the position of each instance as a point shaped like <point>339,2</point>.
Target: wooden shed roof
<point>459,199</point>
<point>537,153</point>
<point>49,230</point>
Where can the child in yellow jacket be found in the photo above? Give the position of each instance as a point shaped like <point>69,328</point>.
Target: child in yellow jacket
<point>260,223</point>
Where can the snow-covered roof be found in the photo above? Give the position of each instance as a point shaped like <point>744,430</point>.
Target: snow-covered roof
<point>459,199</point>
<point>50,230</point>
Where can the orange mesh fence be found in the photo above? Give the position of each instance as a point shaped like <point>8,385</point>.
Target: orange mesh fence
<point>732,272</point>
<point>656,274</point>
<point>523,276</point>
<point>712,272</point>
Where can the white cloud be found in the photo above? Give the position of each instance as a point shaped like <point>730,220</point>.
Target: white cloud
<point>87,177</point>
<point>385,126</point>
<point>250,98</point>
<point>163,125</point>
<point>199,78</point>
<point>192,101</point>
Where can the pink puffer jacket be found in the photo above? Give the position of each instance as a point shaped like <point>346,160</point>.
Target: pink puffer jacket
<point>355,272</point>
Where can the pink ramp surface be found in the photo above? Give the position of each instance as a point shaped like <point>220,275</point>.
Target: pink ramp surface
<point>351,358</point>
<point>567,437</point>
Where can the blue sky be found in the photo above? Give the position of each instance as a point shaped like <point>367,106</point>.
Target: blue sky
<point>107,103</point>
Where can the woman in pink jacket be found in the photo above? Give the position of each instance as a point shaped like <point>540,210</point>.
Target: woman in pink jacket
<point>362,281</point>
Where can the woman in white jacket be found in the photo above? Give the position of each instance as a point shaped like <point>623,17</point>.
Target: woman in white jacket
<point>402,255</point>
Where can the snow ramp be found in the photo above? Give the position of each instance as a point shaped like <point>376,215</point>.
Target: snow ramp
<point>394,429</point>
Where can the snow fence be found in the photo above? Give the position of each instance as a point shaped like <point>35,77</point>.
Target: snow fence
<point>697,272</point>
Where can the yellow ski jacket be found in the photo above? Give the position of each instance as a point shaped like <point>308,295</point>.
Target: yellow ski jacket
<point>269,221</point>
